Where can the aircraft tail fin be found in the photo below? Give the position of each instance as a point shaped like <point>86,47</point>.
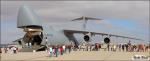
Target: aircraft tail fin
<point>27,17</point>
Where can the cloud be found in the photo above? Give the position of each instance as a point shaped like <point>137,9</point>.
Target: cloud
<point>105,9</point>
<point>64,11</point>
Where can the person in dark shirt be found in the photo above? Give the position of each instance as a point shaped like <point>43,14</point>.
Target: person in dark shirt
<point>0,50</point>
<point>56,51</point>
<point>119,47</point>
<point>123,46</point>
<point>126,45</point>
<point>69,48</point>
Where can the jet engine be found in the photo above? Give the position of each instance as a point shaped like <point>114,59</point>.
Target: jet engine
<point>86,38</point>
<point>106,40</point>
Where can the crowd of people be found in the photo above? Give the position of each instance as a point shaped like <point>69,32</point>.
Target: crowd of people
<point>58,50</point>
<point>133,48</point>
<point>11,49</point>
<point>128,47</point>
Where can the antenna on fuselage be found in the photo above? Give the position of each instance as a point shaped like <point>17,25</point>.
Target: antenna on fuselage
<point>85,19</point>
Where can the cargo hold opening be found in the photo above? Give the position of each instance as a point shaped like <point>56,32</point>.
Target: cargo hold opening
<point>37,39</point>
<point>33,35</point>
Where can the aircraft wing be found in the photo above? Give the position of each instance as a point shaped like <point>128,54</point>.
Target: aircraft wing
<point>86,18</point>
<point>93,33</point>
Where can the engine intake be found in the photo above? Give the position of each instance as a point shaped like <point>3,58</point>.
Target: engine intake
<point>86,38</point>
<point>107,40</point>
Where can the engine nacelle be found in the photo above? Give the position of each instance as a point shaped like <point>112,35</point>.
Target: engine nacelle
<point>86,38</point>
<point>106,40</point>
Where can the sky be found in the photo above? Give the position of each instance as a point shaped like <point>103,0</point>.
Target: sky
<point>127,18</point>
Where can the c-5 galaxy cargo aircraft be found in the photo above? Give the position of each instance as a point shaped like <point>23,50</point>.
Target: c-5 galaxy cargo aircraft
<point>37,33</point>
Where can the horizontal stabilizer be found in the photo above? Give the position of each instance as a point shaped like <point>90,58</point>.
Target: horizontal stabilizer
<point>86,18</point>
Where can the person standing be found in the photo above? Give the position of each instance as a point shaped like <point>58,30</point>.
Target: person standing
<point>119,47</point>
<point>61,50</point>
<point>56,51</point>
<point>90,47</point>
<point>114,47</point>
<point>108,46</point>
<point>0,50</point>
<point>30,45</point>
<point>14,50</point>
<point>50,51</point>
<point>53,50</point>
<point>96,48</point>
<point>69,48</point>
<point>123,46</point>
<point>5,49</point>
<point>64,48</point>
<point>46,41</point>
<point>126,45</point>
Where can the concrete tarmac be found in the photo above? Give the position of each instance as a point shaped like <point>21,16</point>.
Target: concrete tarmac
<point>74,55</point>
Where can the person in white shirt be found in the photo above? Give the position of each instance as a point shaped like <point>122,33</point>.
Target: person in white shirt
<point>30,45</point>
<point>46,41</point>
<point>14,50</point>
<point>64,48</point>
<point>50,51</point>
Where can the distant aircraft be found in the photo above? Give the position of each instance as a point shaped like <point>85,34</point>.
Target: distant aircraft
<point>56,34</point>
